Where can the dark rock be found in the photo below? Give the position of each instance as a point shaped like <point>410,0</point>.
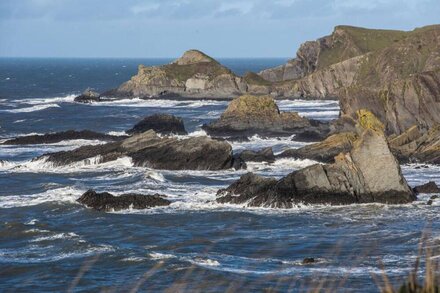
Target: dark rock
<point>149,150</point>
<point>160,123</point>
<point>60,136</point>
<point>368,173</point>
<point>196,153</point>
<point>264,155</point>
<point>88,96</point>
<point>429,202</point>
<point>250,115</point>
<point>308,260</point>
<point>107,202</point>
<point>430,187</point>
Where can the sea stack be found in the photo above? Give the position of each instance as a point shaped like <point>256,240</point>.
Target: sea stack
<point>367,173</point>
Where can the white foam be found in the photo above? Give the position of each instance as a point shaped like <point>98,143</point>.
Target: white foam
<point>134,259</point>
<point>117,133</point>
<point>154,175</point>
<point>160,256</point>
<point>58,236</point>
<point>38,254</point>
<point>42,165</point>
<point>205,262</point>
<point>157,103</point>
<point>32,109</point>
<point>64,195</point>
<point>45,101</point>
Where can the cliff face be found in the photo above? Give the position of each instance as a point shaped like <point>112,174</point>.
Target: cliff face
<point>344,43</point>
<point>396,75</point>
<point>194,74</point>
<point>400,83</point>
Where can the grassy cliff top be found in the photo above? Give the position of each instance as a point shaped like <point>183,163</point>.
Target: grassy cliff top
<point>191,63</point>
<point>349,41</point>
<point>248,105</point>
<point>368,120</point>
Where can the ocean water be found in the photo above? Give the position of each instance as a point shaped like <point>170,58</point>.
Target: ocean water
<point>48,242</point>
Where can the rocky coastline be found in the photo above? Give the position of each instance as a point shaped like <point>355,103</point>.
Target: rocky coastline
<point>390,114</point>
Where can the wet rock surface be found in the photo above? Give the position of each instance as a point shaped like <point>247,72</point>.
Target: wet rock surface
<point>368,173</point>
<point>160,123</point>
<point>88,96</point>
<point>263,155</point>
<point>60,136</point>
<point>250,115</point>
<point>430,187</point>
<point>149,150</point>
<point>107,202</point>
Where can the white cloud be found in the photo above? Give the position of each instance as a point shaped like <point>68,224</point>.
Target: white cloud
<point>146,7</point>
<point>242,6</point>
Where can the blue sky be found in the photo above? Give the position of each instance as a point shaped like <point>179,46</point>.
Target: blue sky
<point>166,28</point>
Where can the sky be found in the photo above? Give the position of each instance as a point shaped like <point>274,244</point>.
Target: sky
<point>166,28</point>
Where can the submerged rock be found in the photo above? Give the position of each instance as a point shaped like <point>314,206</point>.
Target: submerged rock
<point>430,187</point>
<point>160,123</point>
<point>250,115</point>
<point>149,150</point>
<point>308,260</point>
<point>107,202</point>
<point>61,136</point>
<point>368,173</point>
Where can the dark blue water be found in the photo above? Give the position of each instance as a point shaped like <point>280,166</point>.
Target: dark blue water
<point>48,242</point>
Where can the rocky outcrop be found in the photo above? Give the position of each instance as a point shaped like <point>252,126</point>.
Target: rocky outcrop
<point>417,144</point>
<point>107,202</point>
<point>368,173</point>
<point>249,115</point>
<point>160,123</point>
<point>149,150</point>
<point>61,136</point>
<point>344,43</point>
<point>324,151</point>
<point>430,187</point>
<point>264,155</point>
<point>88,96</point>
<point>194,75</point>
<point>400,94</point>
<point>363,69</point>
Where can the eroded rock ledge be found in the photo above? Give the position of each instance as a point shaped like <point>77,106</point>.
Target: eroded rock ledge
<point>249,115</point>
<point>367,173</point>
<point>108,202</point>
<point>149,150</point>
<point>60,136</point>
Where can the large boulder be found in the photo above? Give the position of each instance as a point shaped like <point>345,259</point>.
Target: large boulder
<point>160,123</point>
<point>368,173</point>
<point>61,136</point>
<point>108,202</point>
<point>248,115</point>
<point>430,187</point>
<point>263,155</point>
<point>149,150</point>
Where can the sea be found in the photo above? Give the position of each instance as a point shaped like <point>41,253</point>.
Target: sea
<point>51,243</point>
